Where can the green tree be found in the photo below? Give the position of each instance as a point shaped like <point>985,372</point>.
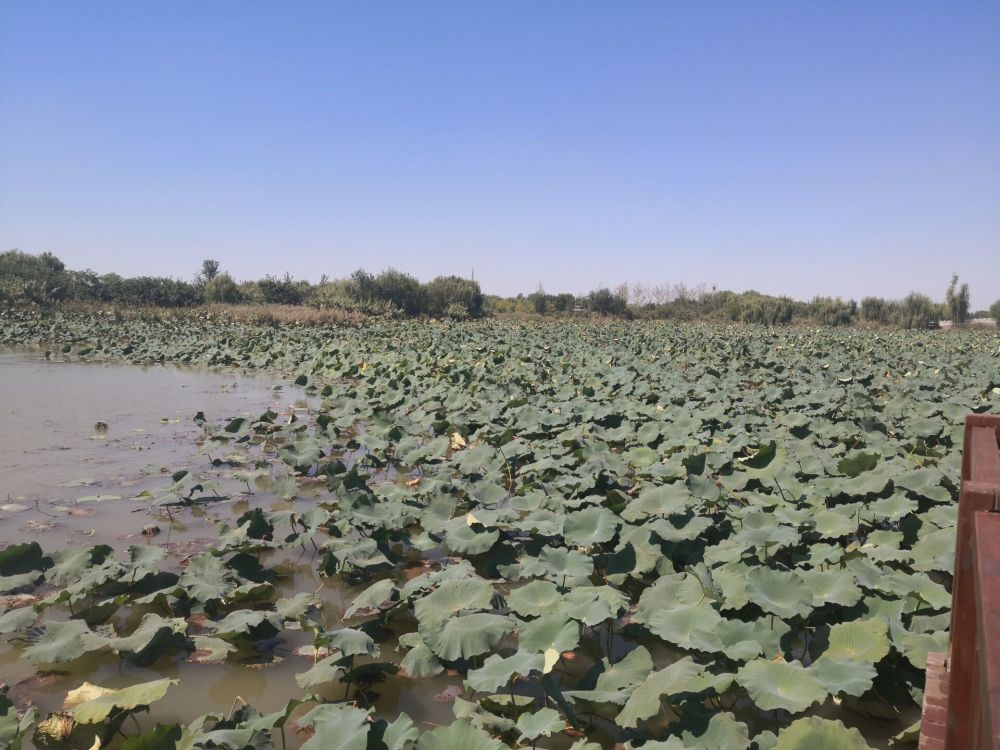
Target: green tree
<point>209,270</point>
<point>453,292</point>
<point>222,289</point>
<point>995,311</point>
<point>956,300</point>
<point>605,302</point>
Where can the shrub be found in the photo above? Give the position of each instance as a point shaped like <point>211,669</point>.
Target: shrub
<point>223,289</point>
<point>445,292</point>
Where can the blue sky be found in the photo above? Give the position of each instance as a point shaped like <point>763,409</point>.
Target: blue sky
<point>802,148</point>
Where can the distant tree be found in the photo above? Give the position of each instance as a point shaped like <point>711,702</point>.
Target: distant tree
<point>445,294</point>
<point>222,289</point>
<point>956,300</point>
<point>917,311</point>
<point>878,310</point>
<point>605,302</point>
<point>36,279</point>
<point>995,311</point>
<point>209,270</point>
<point>391,289</point>
<point>283,291</point>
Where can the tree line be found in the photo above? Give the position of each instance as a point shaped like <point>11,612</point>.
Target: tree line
<point>44,280</point>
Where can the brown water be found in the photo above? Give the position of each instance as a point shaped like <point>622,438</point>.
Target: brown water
<point>65,482</point>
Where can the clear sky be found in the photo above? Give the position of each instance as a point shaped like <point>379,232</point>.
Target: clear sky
<point>802,148</point>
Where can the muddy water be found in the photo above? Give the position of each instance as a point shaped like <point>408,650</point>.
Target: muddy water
<point>66,481</point>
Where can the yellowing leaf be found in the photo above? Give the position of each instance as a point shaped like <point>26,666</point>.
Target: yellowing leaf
<point>551,657</point>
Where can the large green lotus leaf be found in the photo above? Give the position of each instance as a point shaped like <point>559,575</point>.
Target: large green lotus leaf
<point>350,642</point>
<point>814,733</point>
<point>324,671</point>
<point>778,684</point>
<point>241,621</point>
<point>615,682</point>
<point>497,671</point>
<point>664,500</point>
<point>535,598</point>
<point>779,592</point>
<point>469,538</point>
<point>590,526</point>
<point>925,482</point>
<point>371,597</point>
<point>13,726</point>
<point>154,637</point>
<point>920,588</point>
<point>593,604</point>
<point>400,733</point>
<point>831,587</point>
<point>559,565</point>
<point>344,730</point>
<point>731,578</point>
<point>836,522</point>
<point>12,583</point>
<point>468,635</point>
<point>848,677</point>
<point>555,631</point>
<point>860,640</point>
<point>682,676</point>
<point>61,641</point>
<point>916,646</point>
<point>723,732</point>
<point>760,530</point>
<point>302,453</point>
<point>14,620</point>
<point>420,661</point>
<point>210,650</point>
<point>689,626</point>
<point>857,463</point>
<point>206,578</point>
<point>136,696</point>
<point>670,590</point>
<point>641,457</point>
<point>745,640</point>
<point>451,597</point>
<point>935,551</point>
<point>541,723</point>
<point>892,508</point>
<point>459,735</point>
<point>295,607</point>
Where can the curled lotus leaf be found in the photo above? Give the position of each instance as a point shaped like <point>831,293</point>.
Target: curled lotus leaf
<point>467,635</point>
<point>372,597</point>
<point>61,641</point>
<point>452,597</point>
<point>555,631</point>
<point>100,702</point>
<point>682,676</point>
<point>459,735</point>
<point>541,723</point>
<point>497,671</point>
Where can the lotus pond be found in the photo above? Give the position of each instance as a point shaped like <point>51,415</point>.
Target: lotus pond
<point>480,535</point>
